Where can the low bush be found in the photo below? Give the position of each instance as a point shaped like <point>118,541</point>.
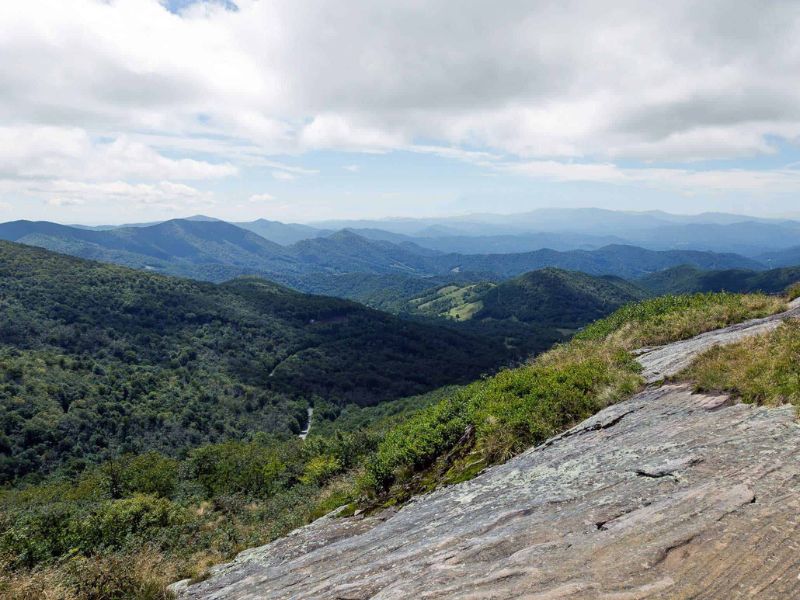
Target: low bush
<point>493,419</point>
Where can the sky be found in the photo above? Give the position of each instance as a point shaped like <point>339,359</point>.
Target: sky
<point>118,111</point>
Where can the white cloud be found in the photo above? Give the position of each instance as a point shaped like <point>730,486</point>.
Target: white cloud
<point>69,152</point>
<point>58,202</point>
<point>686,180</point>
<point>538,79</point>
<point>262,198</point>
<point>113,91</point>
<point>352,168</point>
<point>69,193</point>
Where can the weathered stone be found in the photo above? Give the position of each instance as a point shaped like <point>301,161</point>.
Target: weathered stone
<point>667,495</point>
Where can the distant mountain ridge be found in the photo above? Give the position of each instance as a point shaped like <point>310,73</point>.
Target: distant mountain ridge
<point>589,228</point>
<point>218,251</point>
<point>553,228</point>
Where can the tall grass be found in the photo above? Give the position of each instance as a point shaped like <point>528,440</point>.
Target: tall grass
<point>669,318</point>
<point>761,370</point>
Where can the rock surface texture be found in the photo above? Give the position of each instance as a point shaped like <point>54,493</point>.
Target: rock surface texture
<point>669,494</point>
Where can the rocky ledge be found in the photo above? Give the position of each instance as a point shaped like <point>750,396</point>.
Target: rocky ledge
<point>667,495</point>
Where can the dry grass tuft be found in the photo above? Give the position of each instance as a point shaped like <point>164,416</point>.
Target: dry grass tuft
<point>762,370</point>
<point>670,318</point>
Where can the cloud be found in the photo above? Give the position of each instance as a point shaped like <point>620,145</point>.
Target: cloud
<point>686,180</point>
<point>70,152</point>
<point>59,202</point>
<point>69,193</point>
<point>537,79</point>
<point>352,168</point>
<point>129,91</point>
<point>262,198</point>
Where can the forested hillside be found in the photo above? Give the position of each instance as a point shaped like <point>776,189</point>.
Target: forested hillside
<point>687,279</point>
<point>97,358</point>
<point>548,297</point>
<point>557,298</point>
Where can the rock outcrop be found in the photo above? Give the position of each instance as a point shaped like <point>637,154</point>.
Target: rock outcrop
<point>669,494</point>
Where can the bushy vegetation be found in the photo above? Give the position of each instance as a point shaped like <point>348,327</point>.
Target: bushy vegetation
<point>492,419</point>
<point>762,370</point>
<point>73,534</point>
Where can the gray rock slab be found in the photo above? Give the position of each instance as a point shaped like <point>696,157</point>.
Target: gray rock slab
<point>666,495</point>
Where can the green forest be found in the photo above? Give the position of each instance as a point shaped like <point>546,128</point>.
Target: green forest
<point>99,359</point>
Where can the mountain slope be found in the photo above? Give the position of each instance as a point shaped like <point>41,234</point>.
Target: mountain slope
<point>622,261</point>
<point>687,279</point>
<point>212,250</point>
<point>548,297</point>
<point>661,495</point>
<point>782,258</point>
<point>99,358</point>
<point>284,234</point>
<point>557,298</point>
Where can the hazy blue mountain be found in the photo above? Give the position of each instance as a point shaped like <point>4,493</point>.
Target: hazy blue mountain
<point>594,221</point>
<point>781,258</point>
<point>147,224</point>
<point>750,238</point>
<point>623,261</point>
<point>497,244</point>
<point>585,228</point>
<point>204,249</point>
<point>217,251</point>
<point>283,233</point>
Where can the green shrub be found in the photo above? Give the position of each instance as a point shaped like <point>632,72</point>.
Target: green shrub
<point>112,523</point>
<point>320,469</point>
<point>43,533</point>
<point>252,469</point>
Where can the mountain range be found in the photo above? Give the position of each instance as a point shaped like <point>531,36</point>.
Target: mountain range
<point>557,229</point>
<point>217,251</point>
